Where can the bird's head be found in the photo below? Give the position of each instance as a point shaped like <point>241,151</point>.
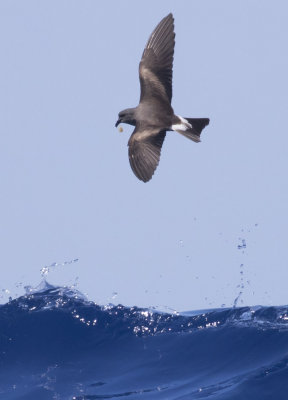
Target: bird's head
<point>127,117</point>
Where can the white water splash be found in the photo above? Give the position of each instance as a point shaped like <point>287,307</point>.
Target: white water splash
<point>45,270</point>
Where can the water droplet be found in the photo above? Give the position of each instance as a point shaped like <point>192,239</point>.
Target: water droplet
<point>44,271</point>
<point>242,245</point>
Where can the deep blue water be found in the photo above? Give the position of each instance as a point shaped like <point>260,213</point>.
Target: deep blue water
<point>54,344</point>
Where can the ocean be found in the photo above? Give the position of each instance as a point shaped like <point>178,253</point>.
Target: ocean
<point>55,344</point>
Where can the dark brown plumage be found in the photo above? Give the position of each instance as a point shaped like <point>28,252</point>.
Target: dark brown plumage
<point>154,114</point>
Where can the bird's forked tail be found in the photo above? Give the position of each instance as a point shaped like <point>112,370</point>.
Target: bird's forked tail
<point>190,127</point>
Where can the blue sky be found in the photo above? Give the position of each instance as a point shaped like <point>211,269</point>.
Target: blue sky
<point>67,190</point>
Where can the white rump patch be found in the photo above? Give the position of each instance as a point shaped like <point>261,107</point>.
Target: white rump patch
<point>183,126</point>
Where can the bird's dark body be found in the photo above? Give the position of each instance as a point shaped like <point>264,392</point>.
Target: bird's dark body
<point>154,115</point>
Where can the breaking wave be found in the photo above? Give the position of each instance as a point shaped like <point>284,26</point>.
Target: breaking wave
<point>55,344</point>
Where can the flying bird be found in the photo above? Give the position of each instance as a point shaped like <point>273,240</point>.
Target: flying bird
<point>154,115</point>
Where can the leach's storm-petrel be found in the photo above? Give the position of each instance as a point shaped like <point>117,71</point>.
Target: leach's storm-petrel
<point>154,114</point>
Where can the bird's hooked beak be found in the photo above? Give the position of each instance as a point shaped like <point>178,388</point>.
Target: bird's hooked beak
<point>118,122</point>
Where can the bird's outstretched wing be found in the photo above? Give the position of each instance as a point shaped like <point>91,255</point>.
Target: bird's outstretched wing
<point>144,152</point>
<point>156,66</point>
